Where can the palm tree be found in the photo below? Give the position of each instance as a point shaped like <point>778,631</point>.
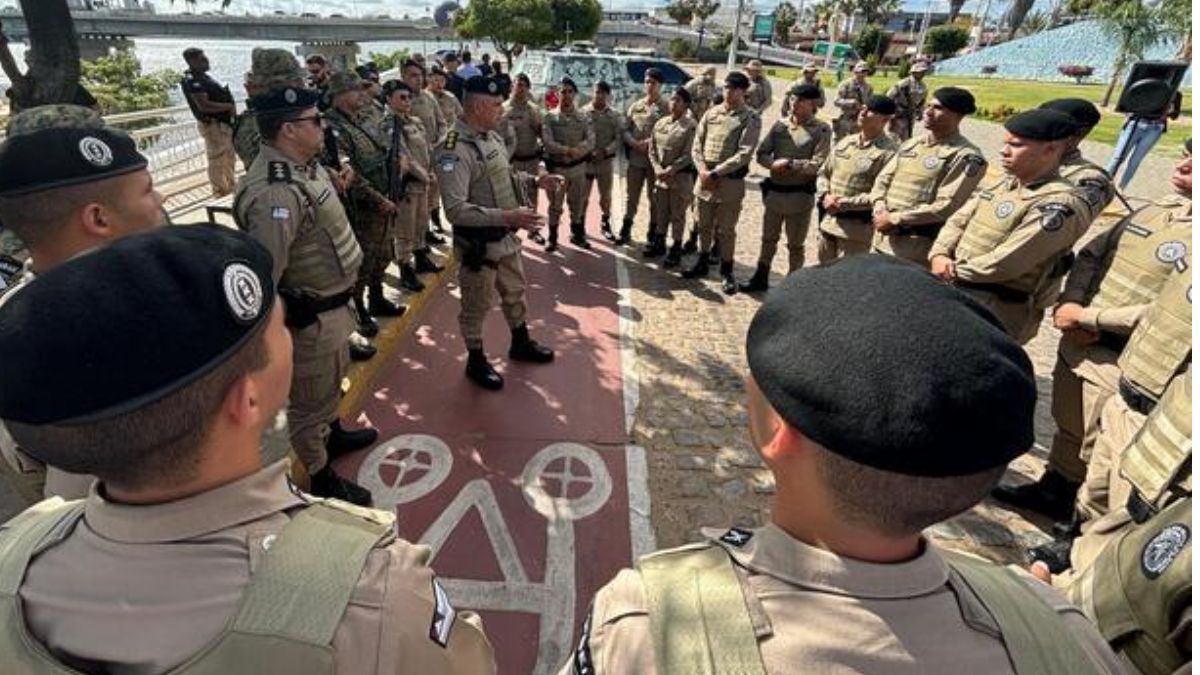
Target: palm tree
<point>1136,26</point>
<point>1016,16</point>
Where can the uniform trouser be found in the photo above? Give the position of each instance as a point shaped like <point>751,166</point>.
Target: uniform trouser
<point>1104,491</point>
<point>717,213</point>
<point>790,213</point>
<point>1078,394</point>
<point>670,205</point>
<point>831,247</point>
<point>529,166</point>
<point>218,144</point>
<point>320,361</point>
<point>406,236</point>
<point>910,247</point>
<point>602,174</point>
<point>421,223</point>
<point>376,234</point>
<point>901,127</point>
<point>434,195</point>
<point>507,277</point>
<point>1020,319</point>
<point>637,178</point>
<point>575,192</point>
<point>844,126</point>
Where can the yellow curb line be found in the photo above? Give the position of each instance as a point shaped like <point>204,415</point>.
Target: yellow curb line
<point>391,335</point>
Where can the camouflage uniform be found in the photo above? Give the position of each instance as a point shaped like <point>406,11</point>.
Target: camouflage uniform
<point>704,91</point>
<point>851,96</point>
<point>909,95</point>
<point>269,68</point>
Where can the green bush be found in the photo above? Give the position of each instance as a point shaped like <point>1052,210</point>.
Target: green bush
<point>904,67</point>
<point>682,48</point>
<point>943,41</point>
<point>386,62</point>
<point>119,86</point>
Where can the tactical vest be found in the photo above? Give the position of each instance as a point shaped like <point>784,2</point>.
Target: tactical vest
<point>700,622</point>
<point>668,144</point>
<point>919,173</point>
<point>520,117</point>
<point>643,115</point>
<point>246,139</point>
<point>368,153</point>
<point>606,125</point>
<point>325,248</point>
<point>853,168</point>
<point>568,129</point>
<point>1158,461</point>
<point>497,175</point>
<point>1138,584</point>
<point>1149,247</point>
<point>1162,341</point>
<point>288,612</point>
<point>795,142</point>
<point>1001,208</point>
<point>724,133</point>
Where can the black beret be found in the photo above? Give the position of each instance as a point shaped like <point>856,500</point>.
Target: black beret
<point>881,105</point>
<point>284,100</point>
<point>956,99</point>
<point>655,74</point>
<point>684,95</point>
<point>604,87</point>
<point>737,80</point>
<point>392,86</point>
<point>1042,125</point>
<point>805,91</point>
<point>1084,112</point>
<point>568,82</point>
<point>57,157</point>
<point>885,365</point>
<point>522,77</point>
<point>482,85</point>
<point>148,314</point>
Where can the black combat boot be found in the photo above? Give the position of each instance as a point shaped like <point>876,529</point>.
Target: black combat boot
<point>424,264</point>
<point>1052,495</point>
<point>656,247</point>
<point>579,236</point>
<point>409,279</point>
<point>380,305</point>
<point>758,282</point>
<point>361,351</point>
<point>729,285</point>
<point>343,441</point>
<point>481,372</point>
<point>552,241</point>
<point>626,231</point>
<point>673,256</point>
<point>698,270</point>
<point>367,326</point>
<point>435,220</point>
<point>606,228</point>
<point>525,348</point>
<point>714,253</point>
<point>434,239</point>
<point>327,483</point>
<point>693,241</point>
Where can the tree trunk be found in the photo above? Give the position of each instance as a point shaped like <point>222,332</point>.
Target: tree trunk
<point>1185,48</point>
<point>1118,71</point>
<point>955,7</point>
<point>53,56</point>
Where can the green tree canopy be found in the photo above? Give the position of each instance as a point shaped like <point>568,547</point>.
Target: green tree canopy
<point>683,11</point>
<point>119,85</point>
<point>528,23</point>
<point>943,41</point>
<point>872,40</point>
<point>785,18</point>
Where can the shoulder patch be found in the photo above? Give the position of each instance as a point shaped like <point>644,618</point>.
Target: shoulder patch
<point>1170,251</point>
<point>736,536</point>
<point>443,616</point>
<point>975,165</point>
<point>279,172</point>
<point>1162,550</point>
<point>448,162</point>
<point>1055,215</point>
<point>451,139</point>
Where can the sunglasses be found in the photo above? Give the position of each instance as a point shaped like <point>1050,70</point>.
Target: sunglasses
<point>313,119</point>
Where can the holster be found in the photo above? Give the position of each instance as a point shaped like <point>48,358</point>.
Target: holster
<point>472,243</point>
<point>302,307</point>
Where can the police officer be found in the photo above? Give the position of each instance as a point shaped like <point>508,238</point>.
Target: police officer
<point>841,579</point>
<point>269,68</point>
<point>287,201</point>
<point>319,73</point>
<point>569,141</point>
<point>793,152</point>
<point>412,222</point>
<point>909,94</point>
<point>674,174</point>
<point>217,562</point>
<point>1006,247</point>
<point>852,95</point>
<point>640,119</point>
<point>1092,182</point>
<point>929,178</point>
<point>724,144</point>
<point>1114,278</point>
<point>425,108</point>
<point>214,109</point>
<point>371,209</point>
<point>525,120</point>
<point>608,127</point>
<point>807,76</point>
<point>68,184</point>
<point>487,203</point>
<point>758,96</point>
<point>450,106</point>
<point>703,91</point>
<point>845,180</point>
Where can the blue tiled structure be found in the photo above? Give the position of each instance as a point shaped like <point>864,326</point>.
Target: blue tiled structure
<point>1038,57</point>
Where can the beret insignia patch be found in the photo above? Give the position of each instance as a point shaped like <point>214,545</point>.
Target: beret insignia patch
<point>1162,550</point>
<point>95,151</point>
<point>289,95</point>
<point>736,536</point>
<point>1054,216</point>
<point>243,292</point>
<point>1005,209</point>
<point>443,616</point>
<point>1170,251</point>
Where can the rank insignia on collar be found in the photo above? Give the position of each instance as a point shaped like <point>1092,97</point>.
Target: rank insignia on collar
<point>279,172</point>
<point>451,139</point>
<point>736,536</point>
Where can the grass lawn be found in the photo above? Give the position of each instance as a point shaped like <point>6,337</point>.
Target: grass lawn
<point>992,93</point>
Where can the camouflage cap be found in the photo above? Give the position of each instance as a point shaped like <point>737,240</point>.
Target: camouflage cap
<point>343,81</point>
<point>58,115</point>
<point>270,68</point>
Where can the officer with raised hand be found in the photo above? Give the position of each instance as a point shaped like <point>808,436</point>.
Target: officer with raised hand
<point>489,204</point>
<point>866,454</point>
<point>287,200</point>
<point>930,177</point>
<point>1010,245</point>
<point>216,562</point>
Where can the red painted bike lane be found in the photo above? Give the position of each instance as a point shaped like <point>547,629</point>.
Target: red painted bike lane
<point>524,494</point>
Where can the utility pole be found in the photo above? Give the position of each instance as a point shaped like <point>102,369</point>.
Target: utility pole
<point>737,36</point>
<point>924,26</point>
<point>987,6</point>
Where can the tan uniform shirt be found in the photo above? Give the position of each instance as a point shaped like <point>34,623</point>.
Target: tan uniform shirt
<point>450,107</point>
<point>140,589</point>
<point>420,151</point>
<point>758,96</point>
<point>639,124</point>
<point>560,129</point>
<point>817,612</point>
<point>726,156</point>
<point>926,182</point>
<point>849,174</point>
<point>607,129</point>
<point>425,107</point>
<point>671,144</point>
<point>807,143</point>
<point>526,124</point>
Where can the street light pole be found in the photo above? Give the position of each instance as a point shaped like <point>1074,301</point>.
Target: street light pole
<point>737,36</point>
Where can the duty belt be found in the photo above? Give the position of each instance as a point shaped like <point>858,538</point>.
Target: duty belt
<point>1113,341</point>
<point>1004,293</point>
<point>1135,399</point>
<point>303,307</point>
<point>552,163</point>
<point>769,185</point>
<point>737,175</point>
<point>607,155</point>
<point>930,231</point>
<point>536,154</point>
